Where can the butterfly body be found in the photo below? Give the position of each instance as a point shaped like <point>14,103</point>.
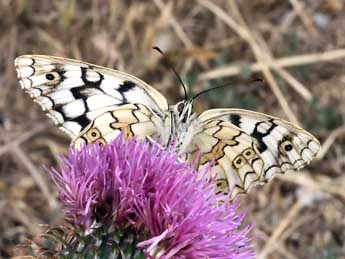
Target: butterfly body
<point>94,104</point>
<point>181,125</point>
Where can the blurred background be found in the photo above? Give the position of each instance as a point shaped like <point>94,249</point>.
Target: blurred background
<point>296,46</point>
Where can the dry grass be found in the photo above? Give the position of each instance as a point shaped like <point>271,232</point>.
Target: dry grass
<point>296,46</point>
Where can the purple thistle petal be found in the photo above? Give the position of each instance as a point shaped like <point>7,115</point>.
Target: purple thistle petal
<point>131,183</point>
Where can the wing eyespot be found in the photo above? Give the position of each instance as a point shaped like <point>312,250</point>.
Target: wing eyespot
<point>101,141</point>
<point>286,146</point>
<point>239,161</point>
<point>50,77</point>
<point>222,185</point>
<point>53,78</point>
<point>94,134</point>
<point>248,153</point>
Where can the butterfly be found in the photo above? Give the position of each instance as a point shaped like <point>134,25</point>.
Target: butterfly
<point>94,104</point>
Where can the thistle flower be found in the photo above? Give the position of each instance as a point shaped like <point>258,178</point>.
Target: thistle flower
<point>134,200</point>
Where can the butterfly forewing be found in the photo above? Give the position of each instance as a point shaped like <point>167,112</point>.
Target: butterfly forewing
<point>74,93</point>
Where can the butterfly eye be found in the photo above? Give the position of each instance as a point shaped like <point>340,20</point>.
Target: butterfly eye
<point>180,108</point>
<point>239,161</point>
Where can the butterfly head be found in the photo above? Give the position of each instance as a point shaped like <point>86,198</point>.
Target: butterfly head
<point>180,125</point>
<point>183,111</point>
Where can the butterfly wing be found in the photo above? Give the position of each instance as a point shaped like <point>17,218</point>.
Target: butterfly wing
<point>251,147</point>
<point>237,161</point>
<point>132,119</point>
<point>74,93</point>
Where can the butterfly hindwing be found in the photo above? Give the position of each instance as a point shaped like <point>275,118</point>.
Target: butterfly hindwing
<point>276,146</point>
<point>237,162</point>
<point>74,93</point>
<point>131,119</point>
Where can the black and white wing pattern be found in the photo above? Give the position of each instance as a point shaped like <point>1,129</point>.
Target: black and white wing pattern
<point>74,93</point>
<point>250,147</point>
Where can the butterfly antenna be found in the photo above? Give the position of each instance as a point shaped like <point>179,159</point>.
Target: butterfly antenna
<point>173,69</point>
<point>222,86</point>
